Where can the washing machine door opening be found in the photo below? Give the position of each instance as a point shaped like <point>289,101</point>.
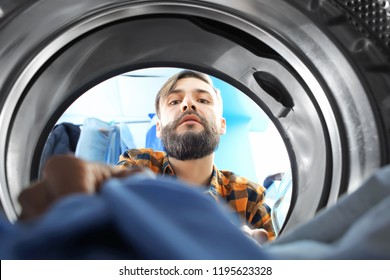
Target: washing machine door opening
<point>253,56</point>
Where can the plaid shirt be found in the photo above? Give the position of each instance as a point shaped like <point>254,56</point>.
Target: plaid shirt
<point>246,197</point>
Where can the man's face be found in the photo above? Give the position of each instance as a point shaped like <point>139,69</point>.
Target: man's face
<point>191,120</point>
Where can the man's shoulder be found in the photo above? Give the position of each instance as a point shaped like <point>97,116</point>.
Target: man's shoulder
<point>230,178</point>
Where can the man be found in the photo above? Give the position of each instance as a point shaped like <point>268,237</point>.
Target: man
<point>190,123</point>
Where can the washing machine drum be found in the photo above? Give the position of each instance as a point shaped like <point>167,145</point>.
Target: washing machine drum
<point>319,69</point>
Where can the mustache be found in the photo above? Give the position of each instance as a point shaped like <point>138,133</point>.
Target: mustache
<point>202,119</point>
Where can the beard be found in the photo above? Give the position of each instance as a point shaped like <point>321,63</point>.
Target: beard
<point>191,144</point>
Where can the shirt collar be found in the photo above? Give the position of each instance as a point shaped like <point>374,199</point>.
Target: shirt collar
<point>216,183</point>
<point>216,180</point>
<point>166,168</point>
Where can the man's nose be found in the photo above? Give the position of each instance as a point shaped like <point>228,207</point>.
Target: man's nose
<point>188,103</point>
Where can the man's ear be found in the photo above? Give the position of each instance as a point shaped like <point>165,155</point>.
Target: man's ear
<point>158,128</point>
<point>222,130</point>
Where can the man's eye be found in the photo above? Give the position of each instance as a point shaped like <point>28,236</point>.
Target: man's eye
<point>174,102</point>
<point>205,101</point>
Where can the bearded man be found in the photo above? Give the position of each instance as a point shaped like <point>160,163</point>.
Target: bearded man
<point>190,123</point>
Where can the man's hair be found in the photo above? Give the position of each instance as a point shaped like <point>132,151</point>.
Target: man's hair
<point>172,81</point>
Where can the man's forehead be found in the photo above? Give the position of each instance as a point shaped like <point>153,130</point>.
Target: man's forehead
<point>200,86</point>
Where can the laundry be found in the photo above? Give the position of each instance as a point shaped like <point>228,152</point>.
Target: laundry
<point>62,140</point>
<point>103,142</point>
<point>132,218</point>
<point>143,218</point>
<point>357,227</point>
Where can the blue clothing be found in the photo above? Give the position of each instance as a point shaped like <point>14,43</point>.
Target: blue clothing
<point>142,218</point>
<point>94,140</point>
<point>356,227</point>
<point>62,140</point>
<point>132,218</point>
<point>103,142</point>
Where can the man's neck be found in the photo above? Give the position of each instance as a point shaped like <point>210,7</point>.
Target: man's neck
<point>196,171</point>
